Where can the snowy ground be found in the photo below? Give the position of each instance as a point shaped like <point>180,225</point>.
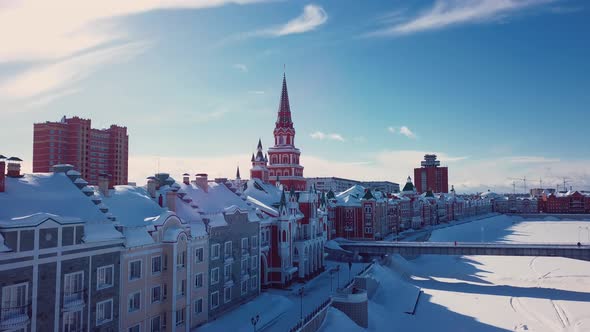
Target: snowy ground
<point>485,293</point>
<point>280,310</point>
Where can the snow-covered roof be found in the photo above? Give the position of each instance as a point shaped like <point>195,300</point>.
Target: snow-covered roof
<point>216,199</point>
<point>32,197</point>
<point>52,193</point>
<point>36,219</point>
<point>131,205</point>
<point>264,193</point>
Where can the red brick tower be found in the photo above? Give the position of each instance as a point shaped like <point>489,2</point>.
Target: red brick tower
<point>283,157</point>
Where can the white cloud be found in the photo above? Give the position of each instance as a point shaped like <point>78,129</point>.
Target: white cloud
<point>64,41</point>
<point>241,67</point>
<point>45,30</point>
<point>323,136</point>
<point>49,98</point>
<point>446,13</point>
<point>312,17</point>
<point>403,130</point>
<point>256,92</point>
<point>407,132</point>
<point>46,78</point>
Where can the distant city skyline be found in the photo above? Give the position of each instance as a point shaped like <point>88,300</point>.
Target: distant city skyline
<point>497,89</point>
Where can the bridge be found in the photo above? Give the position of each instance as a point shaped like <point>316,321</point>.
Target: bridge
<point>379,248</point>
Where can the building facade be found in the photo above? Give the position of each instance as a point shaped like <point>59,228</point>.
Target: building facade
<point>430,176</point>
<point>91,151</point>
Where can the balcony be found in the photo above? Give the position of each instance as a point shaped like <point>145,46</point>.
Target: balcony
<point>74,300</point>
<point>14,317</point>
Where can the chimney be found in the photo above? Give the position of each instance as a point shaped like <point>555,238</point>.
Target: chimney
<point>2,173</point>
<point>171,200</point>
<point>103,184</point>
<point>201,181</point>
<point>13,167</point>
<point>186,178</point>
<point>151,186</point>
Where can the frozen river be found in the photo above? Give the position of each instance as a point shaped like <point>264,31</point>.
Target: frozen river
<point>486,293</point>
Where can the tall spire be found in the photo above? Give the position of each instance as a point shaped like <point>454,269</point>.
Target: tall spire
<point>238,173</point>
<point>284,114</point>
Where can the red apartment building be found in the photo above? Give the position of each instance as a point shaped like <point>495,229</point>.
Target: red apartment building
<point>91,151</point>
<point>430,176</point>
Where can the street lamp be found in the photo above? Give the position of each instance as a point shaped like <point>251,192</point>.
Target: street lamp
<point>254,320</point>
<point>300,292</point>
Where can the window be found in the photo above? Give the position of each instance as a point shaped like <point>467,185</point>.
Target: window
<point>14,300</point>
<point>254,241</point>
<point>227,249</point>
<point>134,328</point>
<point>199,254</point>
<point>226,294</point>
<point>73,284</point>
<point>215,251</point>
<point>254,282</point>
<point>104,312</point>
<point>199,306</point>
<point>156,293</point>
<point>156,325</point>
<point>73,321</point>
<point>199,280</point>
<point>254,264</point>
<point>134,302</point>
<point>179,317</point>
<point>244,266</point>
<point>214,276</point>
<point>135,270</point>
<point>181,288</point>
<point>245,245</point>
<point>165,267</point>
<point>244,287</point>
<point>156,264</point>
<point>227,272</point>
<point>180,259</point>
<point>104,277</point>
<point>214,300</point>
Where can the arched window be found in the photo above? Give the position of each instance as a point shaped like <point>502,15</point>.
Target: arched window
<point>279,173</point>
<point>285,159</point>
<point>286,173</point>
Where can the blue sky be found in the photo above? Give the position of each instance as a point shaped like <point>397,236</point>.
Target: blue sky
<point>497,88</point>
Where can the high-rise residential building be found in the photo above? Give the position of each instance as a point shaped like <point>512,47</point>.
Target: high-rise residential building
<point>91,151</point>
<point>430,176</point>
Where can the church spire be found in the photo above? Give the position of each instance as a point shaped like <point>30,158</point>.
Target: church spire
<point>238,173</point>
<point>284,114</point>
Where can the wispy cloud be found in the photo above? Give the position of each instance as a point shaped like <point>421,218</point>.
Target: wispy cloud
<point>445,13</point>
<point>63,41</point>
<point>256,92</point>
<point>324,136</point>
<point>63,74</point>
<point>403,130</point>
<point>60,28</point>
<point>241,67</point>
<point>49,98</point>
<point>313,16</point>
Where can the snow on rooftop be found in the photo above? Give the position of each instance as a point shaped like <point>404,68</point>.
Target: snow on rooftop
<point>213,202</point>
<point>264,193</point>
<point>131,205</point>
<point>52,193</point>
